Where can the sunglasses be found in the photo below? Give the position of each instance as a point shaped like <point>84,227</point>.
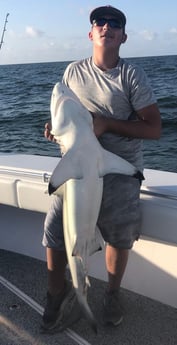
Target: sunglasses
<point>113,23</point>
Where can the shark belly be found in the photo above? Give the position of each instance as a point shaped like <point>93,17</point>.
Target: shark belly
<point>82,200</point>
<point>81,205</point>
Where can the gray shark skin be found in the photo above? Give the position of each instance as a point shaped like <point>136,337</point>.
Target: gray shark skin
<point>81,170</point>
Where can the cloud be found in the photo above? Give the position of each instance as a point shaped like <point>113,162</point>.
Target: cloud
<point>148,35</point>
<point>32,32</point>
<point>173,31</point>
<point>171,36</point>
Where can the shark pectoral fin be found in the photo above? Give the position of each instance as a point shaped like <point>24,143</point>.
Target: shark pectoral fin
<point>113,163</point>
<point>66,169</point>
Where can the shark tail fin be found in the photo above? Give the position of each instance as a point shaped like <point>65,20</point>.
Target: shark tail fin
<point>86,311</point>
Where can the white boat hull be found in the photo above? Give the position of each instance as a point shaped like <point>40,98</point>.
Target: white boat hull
<point>151,270</point>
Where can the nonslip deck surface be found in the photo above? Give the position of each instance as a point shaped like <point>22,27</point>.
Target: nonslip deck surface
<point>145,322</point>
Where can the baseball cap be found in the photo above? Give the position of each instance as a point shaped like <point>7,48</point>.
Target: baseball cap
<point>107,10</point>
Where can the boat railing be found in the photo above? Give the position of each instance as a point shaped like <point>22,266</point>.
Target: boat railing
<point>158,194</point>
<point>45,177</point>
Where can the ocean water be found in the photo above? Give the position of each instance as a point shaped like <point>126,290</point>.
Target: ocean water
<point>25,92</point>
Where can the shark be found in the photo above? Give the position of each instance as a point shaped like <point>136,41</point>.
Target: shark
<point>80,172</point>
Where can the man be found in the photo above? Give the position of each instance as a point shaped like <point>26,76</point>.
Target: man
<point>124,112</point>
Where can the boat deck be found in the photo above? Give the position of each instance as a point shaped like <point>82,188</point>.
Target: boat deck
<point>23,283</point>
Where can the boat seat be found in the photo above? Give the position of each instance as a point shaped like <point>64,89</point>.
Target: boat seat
<point>33,196</point>
<point>24,181</point>
<point>159,212</point>
<point>29,195</point>
<point>8,194</point>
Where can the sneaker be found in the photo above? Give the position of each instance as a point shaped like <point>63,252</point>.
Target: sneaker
<point>61,310</point>
<point>112,313</point>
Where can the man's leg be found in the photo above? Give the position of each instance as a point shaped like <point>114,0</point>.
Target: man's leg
<point>58,289</point>
<point>116,262</point>
<point>56,266</point>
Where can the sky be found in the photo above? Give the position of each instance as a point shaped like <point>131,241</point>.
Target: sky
<point>57,30</point>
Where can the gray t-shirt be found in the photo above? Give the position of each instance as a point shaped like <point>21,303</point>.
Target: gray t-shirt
<point>116,93</point>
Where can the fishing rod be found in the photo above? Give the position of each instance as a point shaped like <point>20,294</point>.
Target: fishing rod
<point>4,29</point>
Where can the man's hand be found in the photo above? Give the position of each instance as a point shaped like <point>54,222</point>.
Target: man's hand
<point>100,124</point>
<point>47,133</point>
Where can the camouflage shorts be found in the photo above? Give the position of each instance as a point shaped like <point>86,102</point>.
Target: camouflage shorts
<point>119,218</point>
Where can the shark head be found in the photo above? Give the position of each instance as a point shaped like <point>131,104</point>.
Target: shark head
<point>67,111</point>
